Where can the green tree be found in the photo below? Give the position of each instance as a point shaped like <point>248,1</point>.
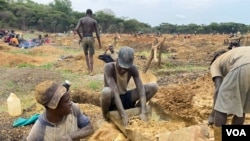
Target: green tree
<point>63,6</point>
<point>105,21</point>
<point>131,26</point>
<point>6,17</point>
<point>3,5</point>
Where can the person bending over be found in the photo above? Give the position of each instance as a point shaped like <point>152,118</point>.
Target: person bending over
<point>116,96</point>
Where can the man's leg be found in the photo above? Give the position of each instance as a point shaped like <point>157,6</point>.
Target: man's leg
<point>150,91</point>
<point>106,97</point>
<point>238,120</point>
<point>91,62</point>
<point>87,62</point>
<point>211,118</point>
<point>86,53</point>
<point>219,120</point>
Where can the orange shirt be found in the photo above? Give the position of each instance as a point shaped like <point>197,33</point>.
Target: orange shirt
<point>14,41</point>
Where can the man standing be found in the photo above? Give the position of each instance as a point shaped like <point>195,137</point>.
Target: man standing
<point>88,25</point>
<point>115,94</point>
<point>231,76</point>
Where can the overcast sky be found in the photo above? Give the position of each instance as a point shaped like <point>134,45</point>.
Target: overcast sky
<point>155,12</point>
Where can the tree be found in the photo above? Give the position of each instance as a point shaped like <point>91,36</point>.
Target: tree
<point>22,13</point>
<point>3,5</point>
<point>25,14</point>
<point>6,16</point>
<point>131,26</point>
<point>63,6</point>
<point>107,11</point>
<point>167,28</point>
<point>214,27</point>
<point>104,20</point>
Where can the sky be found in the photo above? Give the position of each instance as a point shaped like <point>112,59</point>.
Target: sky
<point>180,12</point>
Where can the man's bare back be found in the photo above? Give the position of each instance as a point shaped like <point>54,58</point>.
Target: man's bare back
<point>88,25</point>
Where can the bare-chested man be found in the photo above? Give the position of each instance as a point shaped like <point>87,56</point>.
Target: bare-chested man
<point>116,96</point>
<point>88,25</point>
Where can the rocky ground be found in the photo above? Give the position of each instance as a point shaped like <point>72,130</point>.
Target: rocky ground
<point>184,97</point>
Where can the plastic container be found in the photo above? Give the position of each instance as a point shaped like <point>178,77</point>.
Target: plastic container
<point>14,105</point>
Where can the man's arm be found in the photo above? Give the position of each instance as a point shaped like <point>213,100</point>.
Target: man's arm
<point>83,132</point>
<point>109,76</point>
<point>141,91</point>
<point>83,122</point>
<point>217,82</point>
<point>77,29</point>
<point>105,52</point>
<point>97,35</point>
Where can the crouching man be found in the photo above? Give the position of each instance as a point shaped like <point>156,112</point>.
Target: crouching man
<point>115,95</point>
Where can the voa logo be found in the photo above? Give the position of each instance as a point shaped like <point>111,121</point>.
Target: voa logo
<point>236,132</point>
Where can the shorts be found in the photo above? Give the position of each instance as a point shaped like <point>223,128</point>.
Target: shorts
<point>126,100</point>
<point>88,45</point>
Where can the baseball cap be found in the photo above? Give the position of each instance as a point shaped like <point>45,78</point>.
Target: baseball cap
<point>48,93</point>
<point>126,57</point>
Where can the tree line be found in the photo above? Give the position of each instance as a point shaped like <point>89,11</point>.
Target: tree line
<point>58,16</point>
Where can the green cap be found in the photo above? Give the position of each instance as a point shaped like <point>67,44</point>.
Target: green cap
<point>126,57</point>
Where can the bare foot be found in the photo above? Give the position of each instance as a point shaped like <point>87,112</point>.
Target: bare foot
<point>91,73</point>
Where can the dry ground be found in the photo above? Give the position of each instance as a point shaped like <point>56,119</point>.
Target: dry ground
<point>184,97</point>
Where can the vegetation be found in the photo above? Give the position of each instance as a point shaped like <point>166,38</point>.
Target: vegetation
<point>58,16</point>
<point>95,85</point>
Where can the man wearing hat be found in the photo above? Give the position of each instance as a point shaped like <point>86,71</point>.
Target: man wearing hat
<point>62,119</point>
<point>115,95</point>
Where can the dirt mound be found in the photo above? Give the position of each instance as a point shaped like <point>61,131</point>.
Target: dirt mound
<point>187,100</point>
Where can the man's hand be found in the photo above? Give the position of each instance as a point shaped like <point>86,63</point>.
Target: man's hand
<point>80,41</point>
<point>143,116</point>
<point>125,120</point>
<point>211,118</point>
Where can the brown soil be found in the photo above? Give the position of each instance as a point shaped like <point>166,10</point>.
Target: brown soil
<point>185,97</point>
